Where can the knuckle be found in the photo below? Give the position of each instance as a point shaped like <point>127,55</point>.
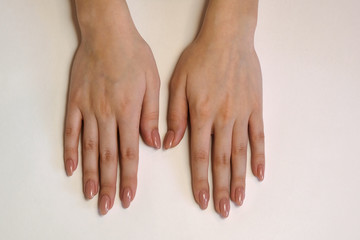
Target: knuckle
<point>200,156</point>
<point>176,119</point>
<point>90,173</point>
<point>107,156</point>
<point>238,180</point>
<point>110,186</point>
<point>104,107</point>
<point>69,131</point>
<point>150,116</point>
<point>90,145</point>
<point>258,136</point>
<point>202,108</point>
<point>203,113</point>
<point>125,110</point>
<point>125,104</point>
<point>76,96</point>
<point>128,107</point>
<point>155,81</point>
<point>70,151</point>
<point>200,181</point>
<point>146,48</point>
<point>174,116</point>
<point>129,179</point>
<point>222,160</point>
<point>129,154</point>
<point>221,190</point>
<point>174,83</point>
<point>260,157</point>
<point>226,114</point>
<point>239,149</point>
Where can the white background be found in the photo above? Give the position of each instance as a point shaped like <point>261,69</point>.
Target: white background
<point>310,57</point>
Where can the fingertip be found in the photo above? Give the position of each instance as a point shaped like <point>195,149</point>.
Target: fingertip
<point>260,172</point>
<point>203,199</point>
<point>126,197</point>
<point>151,137</point>
<point>169,139</point>
<point>90,189</point>
<point>69,167</point>
<point>239,196</point>
<point>156,141</point>
<point>224,207</point>
<point>104,204</point>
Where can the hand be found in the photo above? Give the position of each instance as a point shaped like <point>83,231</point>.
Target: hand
<point>218,81</point>
<point>114,89</point>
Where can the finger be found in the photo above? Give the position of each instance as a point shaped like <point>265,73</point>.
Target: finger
<point>177,112</point>
<point>150,112</point>
<point>71,141</point>
<point>129,157</point>
<point>221,169</point>
<point>199,158</point>
<point>90,155</point>
<point>238,161</point>
<point>256,135</point>
<point>108,163</point>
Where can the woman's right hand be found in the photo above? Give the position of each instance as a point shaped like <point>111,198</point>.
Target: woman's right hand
<point>114,91</point>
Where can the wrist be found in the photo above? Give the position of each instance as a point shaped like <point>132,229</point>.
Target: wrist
<point>230,21</point>
<point>103,17</point>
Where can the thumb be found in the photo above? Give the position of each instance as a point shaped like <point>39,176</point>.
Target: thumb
<point>177,112</point>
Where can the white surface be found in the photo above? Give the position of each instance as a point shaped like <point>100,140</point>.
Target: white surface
<point>310,56</point>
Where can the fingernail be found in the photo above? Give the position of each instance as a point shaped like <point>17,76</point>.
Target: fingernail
<point>239,196</point>
<point>156,138</point>
<point>104,204</point>
<point>69,167</point>
<point>126,198</point>
<point>260,172</point>
<point>224,207</point>
<point>169,138</point>
<point>203,199</point>
<point>90,189</point>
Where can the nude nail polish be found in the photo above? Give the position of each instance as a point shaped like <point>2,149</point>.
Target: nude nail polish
<point>203,199</point>
<point>90,189</point>
<point>69,167</point>
<point>104,205</point>
<point>169,139</point>
<point>224,207</point>
<point>239,196</point>
<point>156,138</point>
<point>126,197</point>
<point>260,172</point>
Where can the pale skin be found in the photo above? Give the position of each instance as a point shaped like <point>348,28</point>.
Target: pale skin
<point>114,91</point>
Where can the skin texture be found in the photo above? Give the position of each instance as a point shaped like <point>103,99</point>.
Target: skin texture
<point>217,81</point>
<point>113,94</point>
